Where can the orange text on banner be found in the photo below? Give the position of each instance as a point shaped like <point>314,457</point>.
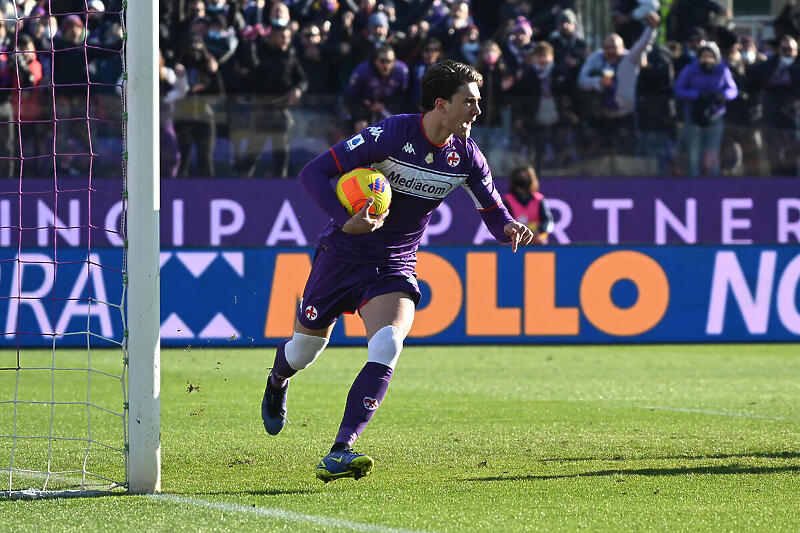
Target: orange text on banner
<point>288,281</point>
<point>483,315</point>
<point>542,317</point>
<point>650,306</point>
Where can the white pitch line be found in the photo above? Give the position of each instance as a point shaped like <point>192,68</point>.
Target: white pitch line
<point>280,514</point>
<point>716,413</point>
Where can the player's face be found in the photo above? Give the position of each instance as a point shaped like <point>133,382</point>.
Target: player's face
<point>463,109</point>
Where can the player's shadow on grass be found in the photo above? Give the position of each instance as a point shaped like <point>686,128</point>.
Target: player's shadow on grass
<point>653,472</point>
<point>755,455</point>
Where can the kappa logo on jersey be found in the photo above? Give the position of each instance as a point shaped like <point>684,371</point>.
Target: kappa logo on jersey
<point>453,159</point>
<point>370,403</point>
<point>354,142</point>
<point>487,179</point>
<point>375,131</point>
<point>311,312</point>
<point>409,149</point>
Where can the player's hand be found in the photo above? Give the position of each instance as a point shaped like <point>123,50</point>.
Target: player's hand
<point>520,234</point>
<point>363,222</point>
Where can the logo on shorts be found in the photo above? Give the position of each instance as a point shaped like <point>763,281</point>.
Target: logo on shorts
<point>354,142</point>
<point>311,312</point>
<point>370,403</point>
<point>453,159</point>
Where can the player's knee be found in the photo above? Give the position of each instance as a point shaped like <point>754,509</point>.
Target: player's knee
<point>385,346</point>
<point>303,350</point>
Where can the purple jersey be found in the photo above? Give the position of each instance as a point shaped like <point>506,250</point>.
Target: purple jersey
<point>420,173</point>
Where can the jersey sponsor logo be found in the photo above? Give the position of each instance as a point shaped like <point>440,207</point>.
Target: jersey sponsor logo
<point>453,159</point>
<point>375,132</point>
<point>370,403</point>
<point>409,149</point>
<point>406,178</point>
<point>354,142</point>
<point>311,312</point>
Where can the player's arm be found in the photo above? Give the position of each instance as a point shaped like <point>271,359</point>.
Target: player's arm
<point>358,151</point>
<point>495,215</point>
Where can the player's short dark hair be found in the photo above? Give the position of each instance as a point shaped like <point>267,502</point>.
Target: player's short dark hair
<point>443,79</point>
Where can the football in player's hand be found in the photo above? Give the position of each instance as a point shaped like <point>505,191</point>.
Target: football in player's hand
<point>356,186</point>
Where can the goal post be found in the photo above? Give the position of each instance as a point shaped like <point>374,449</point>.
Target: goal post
<point>142,234</point>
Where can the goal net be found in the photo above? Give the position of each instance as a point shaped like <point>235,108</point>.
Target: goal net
<point>65,249</point>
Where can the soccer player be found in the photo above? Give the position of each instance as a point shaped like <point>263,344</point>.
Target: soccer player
<point>367,263</point>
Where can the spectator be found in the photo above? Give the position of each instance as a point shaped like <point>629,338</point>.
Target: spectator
<point>7,127</point>
<point>543,105</point>
<point>490,130</point>
<point>320,69</point>
<point>468,46</point>
<point>449,29</point>
<point>686,15</point>
<point>609,76</point>
<point>655,110</point>
<point>705,86</point>
<point>173,87</point>
<point>788,21</point>
<point>376,35</point>
<point>378,88</point>
<point>277,81</point>
<point>743,145</point>
<point>697,39</point>
<point>780,78</point>
<point>519,38</point>
<point>70,77</point>
<point>431,53</point>
<point>195,124</point>
<point>569,48</point>
<point>32,129</point>
<point>629,17</point>
<point>527,205</point>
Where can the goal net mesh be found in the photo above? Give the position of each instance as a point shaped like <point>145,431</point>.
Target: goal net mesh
<point>63,347</point>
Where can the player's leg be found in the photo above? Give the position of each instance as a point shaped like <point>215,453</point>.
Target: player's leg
<point>387,319</point>
<point>292,355</point>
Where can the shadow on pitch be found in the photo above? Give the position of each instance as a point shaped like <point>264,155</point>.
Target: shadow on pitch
<point>753,455</point>
<point>653,472</point>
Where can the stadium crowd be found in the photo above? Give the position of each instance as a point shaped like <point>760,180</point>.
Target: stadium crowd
<point>249,85</point>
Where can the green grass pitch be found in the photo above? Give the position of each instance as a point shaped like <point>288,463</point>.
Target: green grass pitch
<point>482,438</point>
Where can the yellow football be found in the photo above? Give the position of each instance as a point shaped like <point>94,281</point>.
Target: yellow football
<point>356,186</point>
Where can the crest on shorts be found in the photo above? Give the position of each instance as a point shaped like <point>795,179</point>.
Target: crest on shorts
<point>453,159</point>
<point>370,403</point>
<point>311,312</point>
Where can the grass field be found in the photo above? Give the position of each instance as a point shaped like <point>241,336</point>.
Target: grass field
<point>518,438</point>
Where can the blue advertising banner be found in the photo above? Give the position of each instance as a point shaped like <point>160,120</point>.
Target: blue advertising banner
<point>592,294</point>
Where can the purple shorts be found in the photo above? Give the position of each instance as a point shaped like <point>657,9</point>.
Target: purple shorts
<point>336,286</point>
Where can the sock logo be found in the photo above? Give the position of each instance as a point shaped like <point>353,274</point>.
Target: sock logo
<point>370,403</point>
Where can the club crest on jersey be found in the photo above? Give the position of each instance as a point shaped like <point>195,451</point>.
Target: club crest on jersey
<point>354,142</point>
<point>408,149</point>
<point>311,312</point>
<point>375,131</point>
<point>370,404</point>
<point>429,158</point>
<point>453,159</point>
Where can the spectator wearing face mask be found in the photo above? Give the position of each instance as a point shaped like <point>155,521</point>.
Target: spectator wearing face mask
<point>705,87</point>
<point>376,34</point>
<point>779,77</point>
<point>469,43</point>
<point>517,40</point>
<point>543,106</point>
<point>194,115</point>
<point>743,144</point>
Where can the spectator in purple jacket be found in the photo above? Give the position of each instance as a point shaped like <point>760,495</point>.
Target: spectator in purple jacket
<point>377,89</point>
<point>705,86</point>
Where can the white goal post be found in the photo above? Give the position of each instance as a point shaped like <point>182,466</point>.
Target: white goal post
<point>142,228</point>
